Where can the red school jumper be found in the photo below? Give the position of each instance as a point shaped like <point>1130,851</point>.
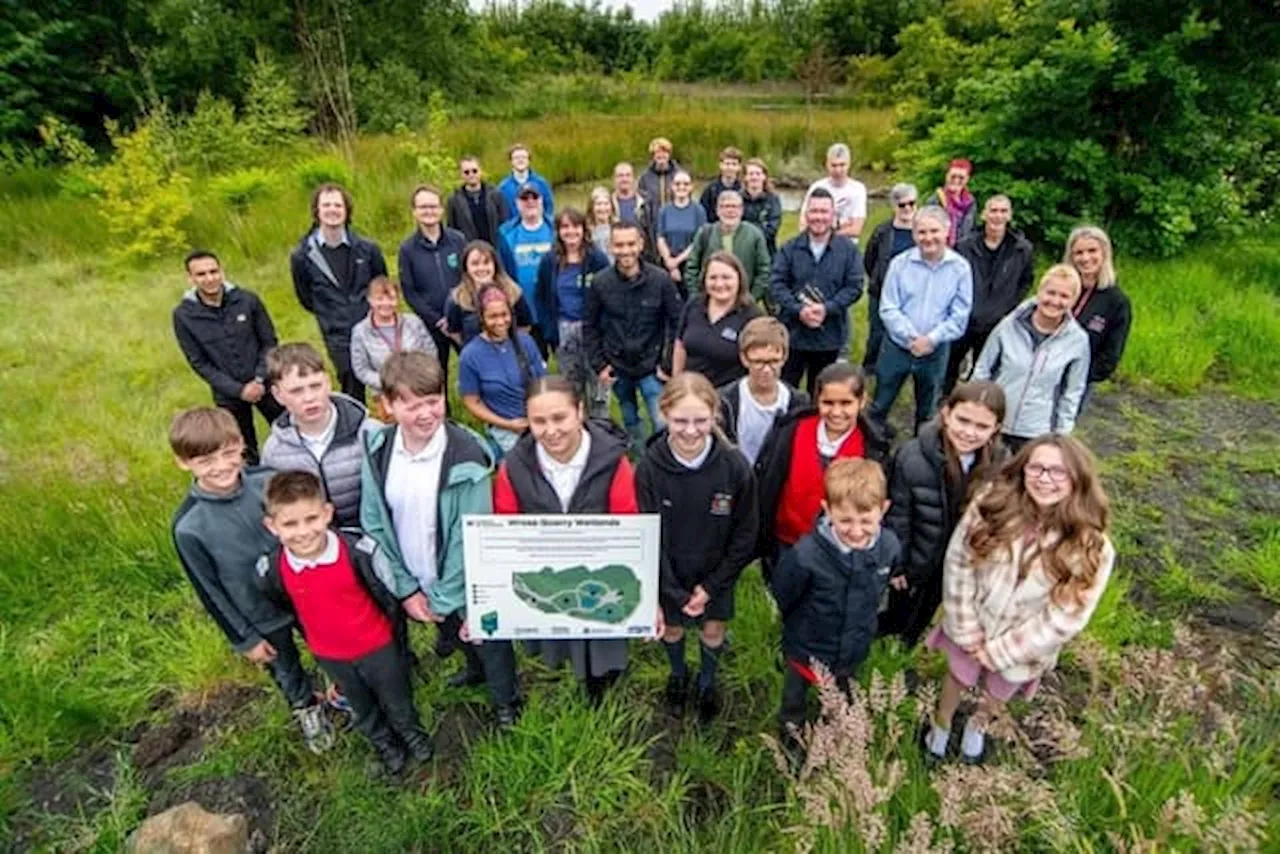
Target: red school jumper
<point>802,494</point>
<point>339,618</point>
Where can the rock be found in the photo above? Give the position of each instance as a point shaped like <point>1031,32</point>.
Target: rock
<point>189,829</point>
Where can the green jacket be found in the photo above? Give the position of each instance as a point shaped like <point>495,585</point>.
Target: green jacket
<point>464,488</point>
<point>749,246</point>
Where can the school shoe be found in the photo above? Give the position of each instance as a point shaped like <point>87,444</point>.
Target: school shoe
<point>507,715</point>
<point>391,762</point>
<point>931,759</point>
<point>465,678</point>
<point>317,730</point>
<point>708,704</point>
<point>677,694</point>
<point>421,749</point>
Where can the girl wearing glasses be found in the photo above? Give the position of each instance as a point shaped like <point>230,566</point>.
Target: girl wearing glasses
<point>707,335</point>
<point>1023,573</point>
<point>1039,355</point>
<point>706,494</point>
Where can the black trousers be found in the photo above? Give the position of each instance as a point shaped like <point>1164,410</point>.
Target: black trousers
<point>444,347</point>
<point>911,611</point>
<point>495,660</point>
<point>810,362</point>
<point>795,695</point>
<point>381,697</point>
<point>242,412</point>
<point>287,671</point>
<point>339,347</point>
<point>972,341</point>
<point>875,336</point>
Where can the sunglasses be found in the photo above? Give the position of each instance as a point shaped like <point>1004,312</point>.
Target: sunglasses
<point>470,171</point>
<point>907,204</point>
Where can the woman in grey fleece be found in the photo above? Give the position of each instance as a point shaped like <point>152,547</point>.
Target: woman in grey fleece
<point>385,331</point>
<point>1039,355</point>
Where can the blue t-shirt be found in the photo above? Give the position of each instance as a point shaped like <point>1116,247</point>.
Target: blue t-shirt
<point>492,372</point>
<point>527,247</point>
<point>627,210</point>
<point>903,240</point>
<point>677,226</point>
<point>572,296</point>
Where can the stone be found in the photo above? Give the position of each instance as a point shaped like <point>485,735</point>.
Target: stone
<point>189,829</point>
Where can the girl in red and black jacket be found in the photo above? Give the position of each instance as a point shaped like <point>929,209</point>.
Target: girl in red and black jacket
<point>567,464</point>
<point>794,460</point>
<point>706,494</point>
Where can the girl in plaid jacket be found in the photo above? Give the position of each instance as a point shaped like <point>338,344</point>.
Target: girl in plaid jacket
<point>1023,573</point>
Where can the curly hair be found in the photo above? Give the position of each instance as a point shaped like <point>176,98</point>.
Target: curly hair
<point>1075,528</point>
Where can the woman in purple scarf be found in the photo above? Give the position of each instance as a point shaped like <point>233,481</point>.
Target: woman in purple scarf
<point>954,197</point>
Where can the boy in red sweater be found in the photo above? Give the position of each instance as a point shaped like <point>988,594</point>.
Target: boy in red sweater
<point>333,583</point>
<point>794,460</point>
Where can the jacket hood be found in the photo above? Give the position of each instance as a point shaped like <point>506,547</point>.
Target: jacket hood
<point>190,295</point>
<point>351,414</point>
<point>657,450</point>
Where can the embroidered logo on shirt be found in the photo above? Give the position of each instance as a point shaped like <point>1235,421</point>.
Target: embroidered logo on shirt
<point>721,504</point>
<point>1097,323</point>
<point>452,260</point>
<point>261,567</point>
<point>729,334</point>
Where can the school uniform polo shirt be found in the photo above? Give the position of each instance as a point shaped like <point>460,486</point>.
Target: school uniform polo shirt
<point>413,496</point>
<point>711,349</point>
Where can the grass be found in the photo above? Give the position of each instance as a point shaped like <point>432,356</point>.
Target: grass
<point>96,620</point>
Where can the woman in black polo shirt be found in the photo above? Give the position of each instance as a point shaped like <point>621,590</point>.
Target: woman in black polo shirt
<point>707,337</point>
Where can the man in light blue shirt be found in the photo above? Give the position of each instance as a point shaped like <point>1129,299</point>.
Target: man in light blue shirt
<point>928,292</point>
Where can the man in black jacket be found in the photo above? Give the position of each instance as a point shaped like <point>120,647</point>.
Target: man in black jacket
<point>225,333</point>
<point>630,320</point>
<point>477,209</point>
<point>332,267</point>
<point>891,238</point>
<point>1003,263</point>
<point>430,263</point>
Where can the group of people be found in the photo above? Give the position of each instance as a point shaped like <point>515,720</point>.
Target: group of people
<point>348,526</point>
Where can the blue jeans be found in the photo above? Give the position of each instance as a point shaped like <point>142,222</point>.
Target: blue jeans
<point>892,369</point>
<point>650,388</point>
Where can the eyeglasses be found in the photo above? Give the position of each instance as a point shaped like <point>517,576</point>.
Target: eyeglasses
<point>764,363</point>
<point>1057,474</point>
<point>686,423</point>
<point>910,203</point>
<point>470,171</point>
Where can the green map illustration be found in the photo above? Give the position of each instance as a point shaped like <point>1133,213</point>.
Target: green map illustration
<point>606,595</point>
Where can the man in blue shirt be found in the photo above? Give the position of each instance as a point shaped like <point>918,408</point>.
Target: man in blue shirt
<point>522,173</point>
<point>523,241</point>
<point>928,292</point>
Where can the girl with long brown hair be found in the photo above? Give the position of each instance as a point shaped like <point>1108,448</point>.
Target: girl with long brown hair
<point>1023,574</point>
<point>481,268</point>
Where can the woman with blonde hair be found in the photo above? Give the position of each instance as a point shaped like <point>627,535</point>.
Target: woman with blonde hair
<point>481,268</point>
<point>1023,574</point>
<point>1039,355</point>
<point>1101,308</point>
<point>600,219</point>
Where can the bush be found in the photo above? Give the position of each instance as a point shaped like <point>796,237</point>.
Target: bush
<point>240,189</point>
<point>388,98</point>
<point>144,196</point>
<point>271,113</point>
<point>211,140</point>
<point>319,170</point>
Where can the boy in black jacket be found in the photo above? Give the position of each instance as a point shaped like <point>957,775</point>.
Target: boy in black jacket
<point>828,588</point>
<point>225,332</point>
<point>336,586</point>
<point>219,537</point>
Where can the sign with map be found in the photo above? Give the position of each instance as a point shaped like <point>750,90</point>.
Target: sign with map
<point>561,577</point>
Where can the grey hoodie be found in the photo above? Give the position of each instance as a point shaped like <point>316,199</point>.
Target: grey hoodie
<point>1044,384</point>
<point>338,468</point>
<point>219,539</point>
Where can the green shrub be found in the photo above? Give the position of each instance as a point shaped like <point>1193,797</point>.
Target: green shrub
<point>389,97</point>
<point>211,139</point>
<point>144,196</point>
<point>319,170</point>
<point>271,113</point>
<point>240,189</point>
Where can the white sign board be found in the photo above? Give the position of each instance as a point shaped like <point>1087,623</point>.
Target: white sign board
<point>561,576</point>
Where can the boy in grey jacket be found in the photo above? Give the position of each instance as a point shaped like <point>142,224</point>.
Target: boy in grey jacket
<point>321,431</point>
<point>219,537</point>
<point>1039,355</point>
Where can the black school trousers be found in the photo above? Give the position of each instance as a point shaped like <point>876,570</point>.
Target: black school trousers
<point>242,412</point>
<point>381,696</point>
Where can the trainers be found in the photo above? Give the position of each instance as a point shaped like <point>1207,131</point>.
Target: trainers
<point>708,704</point>
<point>390,764</point>
<point>507,715</point>
<point>677,694</point>
<point>317,731</point>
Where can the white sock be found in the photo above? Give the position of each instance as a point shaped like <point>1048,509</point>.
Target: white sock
<point>938,738</point>
<point>972,740</point>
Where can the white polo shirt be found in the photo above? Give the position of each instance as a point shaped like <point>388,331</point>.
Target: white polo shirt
<point>413,494</point>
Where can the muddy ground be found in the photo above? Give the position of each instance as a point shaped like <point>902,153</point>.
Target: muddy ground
<point>1192,479</point>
